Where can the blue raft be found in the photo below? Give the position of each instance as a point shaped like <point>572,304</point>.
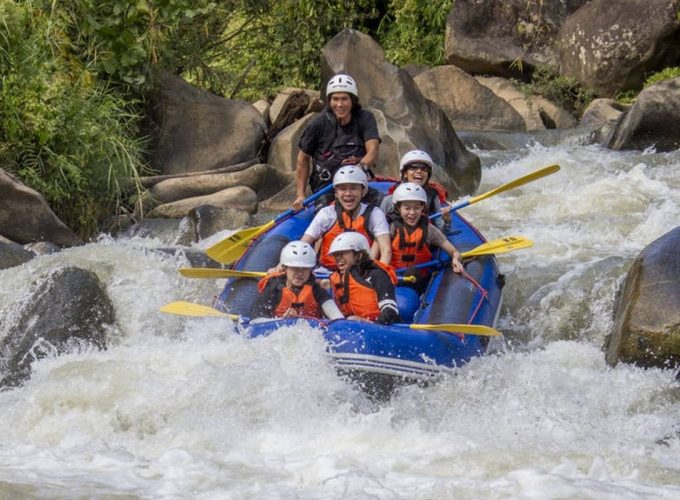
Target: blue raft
<point>381,357</point>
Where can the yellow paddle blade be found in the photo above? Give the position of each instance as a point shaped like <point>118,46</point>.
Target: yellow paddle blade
<point>233,246</point>
<point>502,245</point>
<point>520,181</point>
<point>482,330</point>
<point>182,308</point>
<point>206,272</point>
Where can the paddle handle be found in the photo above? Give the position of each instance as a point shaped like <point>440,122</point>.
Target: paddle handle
<point>305,203</point>
<point>457,206</point>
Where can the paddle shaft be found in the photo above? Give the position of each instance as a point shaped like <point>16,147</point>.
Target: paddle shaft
<point>183,308</point>
<point>308,201</point>
<point>233,246</point>
<point>507,244</point>
<point>520,181</point>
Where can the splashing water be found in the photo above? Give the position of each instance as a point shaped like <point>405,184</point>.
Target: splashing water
<point>179,408</point>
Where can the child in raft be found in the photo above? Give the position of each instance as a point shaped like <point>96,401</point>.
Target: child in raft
<point>416,166</point>
<point>294,292</point>
<point>349,213</point>
<point>362,287</point>
<point>413,235</point>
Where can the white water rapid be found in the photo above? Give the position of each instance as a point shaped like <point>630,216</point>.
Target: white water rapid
<point>187,408</point>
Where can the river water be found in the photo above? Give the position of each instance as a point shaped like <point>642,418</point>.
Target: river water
<point>187,408</point>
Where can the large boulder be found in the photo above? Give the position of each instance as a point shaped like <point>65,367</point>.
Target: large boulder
<point>194,130</point>
<point>406,119</point>
<point>292,104</point>
<point>26,217</point>
<point>652,120</point>
<point>12,254</point>
<point>610,48</point>
<point>468,104</point>
<point>263,179</point>
<point>239,197</point>
<point>647,312</point>
<point>68,310</point>
<point>538,112</point>
<point>505,37</point>
<point>284,148</point>
<point>206,220</point>
<point>601,116</point>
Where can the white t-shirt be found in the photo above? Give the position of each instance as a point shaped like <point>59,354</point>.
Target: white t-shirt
<point>327,216</point>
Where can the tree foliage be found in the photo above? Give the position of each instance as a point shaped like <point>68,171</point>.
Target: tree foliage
<point>74,75</point>
<point>413,31</point>
<point>62,131</point>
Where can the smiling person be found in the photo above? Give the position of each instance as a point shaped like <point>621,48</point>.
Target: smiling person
<point>413,235</point>
<point>363,288</point>
<point>349,214</point>
<point>343,134</point>
<point>416,166</point>
<point>294,292</point>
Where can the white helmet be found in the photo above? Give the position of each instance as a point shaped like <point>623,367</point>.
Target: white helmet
<point>415,156</point>
<point>298,254</point>
<point>349,241</point>
<point>341,83</point>
<point>409,191</point>
<point>350,174</point>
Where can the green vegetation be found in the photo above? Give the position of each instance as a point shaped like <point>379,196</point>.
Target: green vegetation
<point>665,74</point>
<point>566,92</point>
<point>413,31</point>
<point>75,74</point>
<point>62,132</point>
<point>629,96</point>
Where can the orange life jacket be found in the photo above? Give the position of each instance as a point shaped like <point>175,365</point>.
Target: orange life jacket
<point>343,224</point>
<point>356,296</point>
<point>408,246</point>
<point>303,302</point>
<point>440,191</point>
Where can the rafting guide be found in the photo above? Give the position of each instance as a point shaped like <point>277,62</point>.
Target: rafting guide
<point>343,134</point>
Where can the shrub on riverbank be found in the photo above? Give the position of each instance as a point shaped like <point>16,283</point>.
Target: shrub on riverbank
<point>62,132</point>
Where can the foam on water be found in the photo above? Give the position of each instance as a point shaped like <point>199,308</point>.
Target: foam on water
<point>180,408</point>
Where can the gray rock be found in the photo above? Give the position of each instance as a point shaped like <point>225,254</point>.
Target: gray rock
<point>262,106</point>
<point>69,309</point>
<point>26,217</point>
<point>240,197</point>
<point>646,328</point>
<point>263,179</point>
<point>468,104</point>
<point>601,117</point>
<point>611,48</point>
<point>207,220</point>
<point>652,120</point>
<point>538,112</point>
<point>284,148</point>
<point>194,130</point>
<point>13,254</point>
<point>506,38</point>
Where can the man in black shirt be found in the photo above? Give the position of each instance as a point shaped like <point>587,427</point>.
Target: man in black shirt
<point>343,134</point>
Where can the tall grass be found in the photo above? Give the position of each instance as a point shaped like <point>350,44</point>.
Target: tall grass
<point>63,132</point>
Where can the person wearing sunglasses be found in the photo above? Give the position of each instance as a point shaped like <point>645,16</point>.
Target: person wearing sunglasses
<point>416,167</point>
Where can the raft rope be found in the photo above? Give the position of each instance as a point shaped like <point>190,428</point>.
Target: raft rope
<point>483,292</point>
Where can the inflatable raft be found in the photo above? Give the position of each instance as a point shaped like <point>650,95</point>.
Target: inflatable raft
<point>381,357</point>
